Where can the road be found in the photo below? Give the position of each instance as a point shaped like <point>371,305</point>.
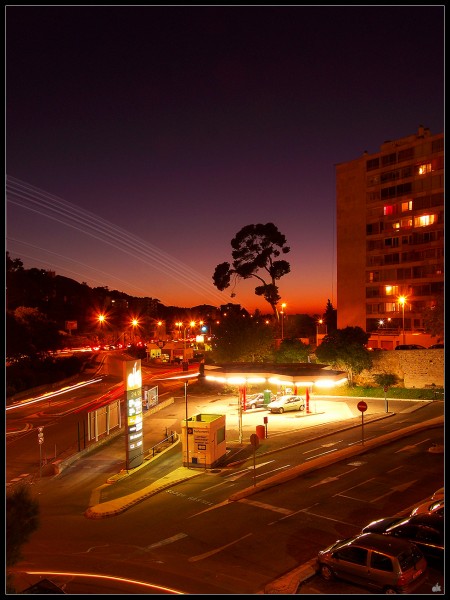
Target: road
<point>192,538</point>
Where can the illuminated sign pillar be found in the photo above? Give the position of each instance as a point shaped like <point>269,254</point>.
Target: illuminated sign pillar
<point>134,435</point>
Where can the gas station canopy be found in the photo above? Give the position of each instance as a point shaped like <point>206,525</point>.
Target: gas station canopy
<point>299,374</point>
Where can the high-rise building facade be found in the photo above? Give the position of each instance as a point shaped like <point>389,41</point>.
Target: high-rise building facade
<point>390,234</point>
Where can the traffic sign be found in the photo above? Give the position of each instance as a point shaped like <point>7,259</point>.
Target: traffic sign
<point>362,406</point>
<point>40,435</point>
<point>254,440</point>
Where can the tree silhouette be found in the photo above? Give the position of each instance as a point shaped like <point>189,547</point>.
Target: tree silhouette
<point>22,519</point>
<point>255,248</point>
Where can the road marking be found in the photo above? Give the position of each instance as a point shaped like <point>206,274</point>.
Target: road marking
<point>283,511</point>
<point>412,446</point>
<point>212,552</point>
<point>324,446</point>
<point>397,488</point>
<point>331,519</point>
<point>273,471</point>
<point>224,503</point>
<point>322,454</point>
<point>171,540</point>
<point>329,479</point>
<point>245,471</point>
<point>217,485</point>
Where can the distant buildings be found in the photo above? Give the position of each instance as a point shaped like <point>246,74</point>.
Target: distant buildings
<point>390,233</point>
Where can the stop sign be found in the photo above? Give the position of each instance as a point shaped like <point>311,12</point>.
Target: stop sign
<point>362,406</point>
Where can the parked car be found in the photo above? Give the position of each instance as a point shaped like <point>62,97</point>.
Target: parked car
<point>383,564</point>
<point>426,531</point>
<point>409,347</point>
<point>438,494</point>
<point>435,346</point>
<point>285,403</point>
<point>429,508</point>
<point>257,400</point>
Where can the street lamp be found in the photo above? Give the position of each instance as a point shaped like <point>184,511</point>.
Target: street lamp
<point>101,320</point>
<point>402,301</point>
<point>283,306</point>
<point>187,432</point>
<point>180,324</point>
<point>319,322</point>
<point>134,323</point>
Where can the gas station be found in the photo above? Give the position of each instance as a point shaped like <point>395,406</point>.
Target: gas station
<point>204,435</point>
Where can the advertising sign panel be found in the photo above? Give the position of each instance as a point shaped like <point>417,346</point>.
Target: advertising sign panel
<point>134,433</point>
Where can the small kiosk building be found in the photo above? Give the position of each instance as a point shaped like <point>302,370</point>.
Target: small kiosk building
<point>203,440</point>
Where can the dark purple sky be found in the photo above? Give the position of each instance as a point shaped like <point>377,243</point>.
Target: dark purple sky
<point>140,140</point>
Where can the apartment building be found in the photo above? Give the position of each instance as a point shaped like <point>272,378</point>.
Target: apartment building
<point>390,234</point>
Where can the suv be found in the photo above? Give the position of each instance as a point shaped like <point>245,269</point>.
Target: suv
<point>376,561</point>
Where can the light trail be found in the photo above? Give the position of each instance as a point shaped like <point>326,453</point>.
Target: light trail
<point>38,201</point>
<point>64,390</point>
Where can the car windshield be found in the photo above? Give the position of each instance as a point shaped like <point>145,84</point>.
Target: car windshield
<point>409,559</point>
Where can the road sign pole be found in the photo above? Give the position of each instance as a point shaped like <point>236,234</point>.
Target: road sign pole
<point>254,440</point>
<point>362,406</point>
<point>362,427</point>
<point>40,442</point>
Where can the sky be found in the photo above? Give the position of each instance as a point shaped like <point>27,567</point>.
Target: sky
<point>141,139</point>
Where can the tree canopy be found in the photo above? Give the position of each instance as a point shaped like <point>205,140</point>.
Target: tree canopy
<point>346,349</point>
<point>22,519</point>
<point>255,249</point>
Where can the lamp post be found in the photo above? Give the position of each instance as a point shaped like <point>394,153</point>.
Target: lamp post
<point>134,323</point>
<point>402,301</point>
<point>101,319</point>
<point>319,322</point>
<point>187,433</point>
<point>283,306</point>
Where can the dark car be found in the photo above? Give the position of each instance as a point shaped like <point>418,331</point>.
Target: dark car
<point>436,347</point>
<point>378,562</point>
<point>410,347</point>
<point>424,530</point>
<point>257,400</point>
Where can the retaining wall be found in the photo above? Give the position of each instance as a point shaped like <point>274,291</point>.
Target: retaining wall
<point>415,368</point>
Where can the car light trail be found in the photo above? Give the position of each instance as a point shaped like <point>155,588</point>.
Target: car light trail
<point>53,394</point>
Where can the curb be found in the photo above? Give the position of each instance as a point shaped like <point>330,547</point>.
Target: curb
<point>288,583</point>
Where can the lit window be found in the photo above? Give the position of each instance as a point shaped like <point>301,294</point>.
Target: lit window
<point>423,169</point>
<point>407,205</point>
<point>424,220</point>
<point>396,225</point>
<point>388,210</point>
<point>390,290</point>
<point>406,222</point>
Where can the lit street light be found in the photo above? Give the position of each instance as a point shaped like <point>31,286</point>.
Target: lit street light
<point>319,322</point>
<point>402,301</point>
<point>134,323</point>
<point>283,306</point>
<point>180,324</point>
<point>187,432</point>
